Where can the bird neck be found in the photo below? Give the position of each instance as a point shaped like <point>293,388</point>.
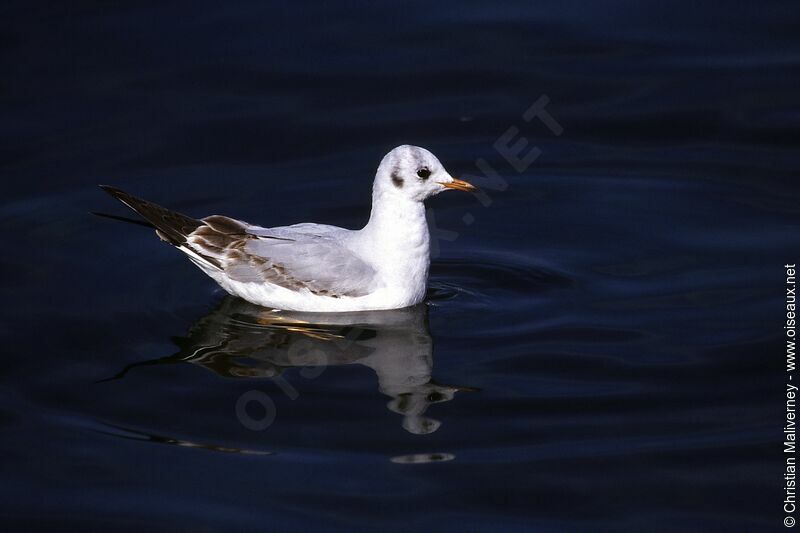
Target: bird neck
<point>398,221</point>
<point>397,241</point>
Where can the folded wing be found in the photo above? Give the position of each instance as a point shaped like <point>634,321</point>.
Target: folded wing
<point>301,257</point>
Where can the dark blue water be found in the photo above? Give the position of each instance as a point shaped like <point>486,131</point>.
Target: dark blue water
<point>601,348</point>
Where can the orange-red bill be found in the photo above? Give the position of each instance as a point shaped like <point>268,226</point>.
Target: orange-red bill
<point>459,185</point>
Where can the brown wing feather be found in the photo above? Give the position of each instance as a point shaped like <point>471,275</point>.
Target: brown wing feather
<point>171,226</point>
<point>221,241</point>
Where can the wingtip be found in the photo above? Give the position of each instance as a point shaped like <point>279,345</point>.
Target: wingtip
<point>113,191</point>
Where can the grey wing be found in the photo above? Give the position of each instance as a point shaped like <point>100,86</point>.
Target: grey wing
<point>306,229</point>
<point>307,256</point>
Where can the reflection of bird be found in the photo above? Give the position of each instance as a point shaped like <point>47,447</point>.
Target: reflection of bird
<point>242,340</point>
<point>315,267</point>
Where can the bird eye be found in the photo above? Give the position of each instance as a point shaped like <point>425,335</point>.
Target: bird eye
<point>423,173</point>
<point>434,397</point>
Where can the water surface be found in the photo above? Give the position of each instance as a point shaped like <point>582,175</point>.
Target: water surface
<point>601,344</point>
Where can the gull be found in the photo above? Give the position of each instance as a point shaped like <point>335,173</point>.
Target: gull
<point>316,267</point>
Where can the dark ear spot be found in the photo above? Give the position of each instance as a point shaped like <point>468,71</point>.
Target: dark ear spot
<point>397,180</point>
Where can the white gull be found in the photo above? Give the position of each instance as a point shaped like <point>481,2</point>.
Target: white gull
<point>316,267</point>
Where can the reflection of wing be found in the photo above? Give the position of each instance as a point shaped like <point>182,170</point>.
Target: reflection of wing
<point>306,256</point>
<point>243,340</point>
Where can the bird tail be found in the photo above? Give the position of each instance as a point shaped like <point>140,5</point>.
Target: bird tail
<point>170,226</point>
